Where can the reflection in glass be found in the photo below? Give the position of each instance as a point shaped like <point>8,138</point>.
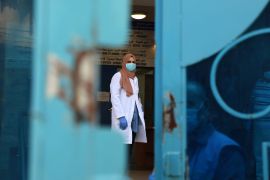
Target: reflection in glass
<point>211,154</point>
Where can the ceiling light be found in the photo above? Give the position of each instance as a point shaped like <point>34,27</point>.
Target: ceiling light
<point>138,16</point>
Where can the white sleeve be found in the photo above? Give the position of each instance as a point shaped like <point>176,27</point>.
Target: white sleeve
<point>115,90</point>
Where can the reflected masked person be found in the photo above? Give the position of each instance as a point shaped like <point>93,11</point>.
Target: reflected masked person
<point>211,154</point>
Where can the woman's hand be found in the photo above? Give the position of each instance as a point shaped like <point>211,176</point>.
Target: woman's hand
<point>123,123</point>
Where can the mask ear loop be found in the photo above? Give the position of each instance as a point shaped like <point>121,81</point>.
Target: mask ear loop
<point>202,107</point>
<point>203,113</point>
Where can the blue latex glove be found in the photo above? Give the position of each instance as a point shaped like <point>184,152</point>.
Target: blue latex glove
<point>152,176</point>
<point>123,123</point>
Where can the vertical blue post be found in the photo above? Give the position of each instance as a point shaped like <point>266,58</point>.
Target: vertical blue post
<point>170,77</point>
<point>38,74</point>
<point>158,93</point>
<point>265,157</point>
<point>61,148</point>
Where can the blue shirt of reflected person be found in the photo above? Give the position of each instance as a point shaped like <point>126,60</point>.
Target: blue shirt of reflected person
<point>212,155</point>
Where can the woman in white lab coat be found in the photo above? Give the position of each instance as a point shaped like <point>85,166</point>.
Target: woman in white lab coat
<point>127,114</point>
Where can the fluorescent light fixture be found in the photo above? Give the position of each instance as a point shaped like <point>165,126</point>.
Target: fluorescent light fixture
<point>138,16</point>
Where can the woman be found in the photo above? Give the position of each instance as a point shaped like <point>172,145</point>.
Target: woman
<point>127,113</point>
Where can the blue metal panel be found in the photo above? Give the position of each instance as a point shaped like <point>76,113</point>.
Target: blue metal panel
<point>60,148</point>
<point>68,23</point>
<point>209,25</point>
<point>112,29</point>
<point>169,79</point>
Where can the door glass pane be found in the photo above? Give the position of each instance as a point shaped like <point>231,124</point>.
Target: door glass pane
<point>221,145</point>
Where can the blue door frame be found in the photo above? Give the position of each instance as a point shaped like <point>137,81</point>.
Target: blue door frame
<point>187,32</point>
<point>170,78</point>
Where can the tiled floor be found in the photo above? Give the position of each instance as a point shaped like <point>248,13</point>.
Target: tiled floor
<point>139,175</point>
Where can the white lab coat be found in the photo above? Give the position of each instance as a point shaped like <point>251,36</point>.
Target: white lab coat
<point>122,105</point>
